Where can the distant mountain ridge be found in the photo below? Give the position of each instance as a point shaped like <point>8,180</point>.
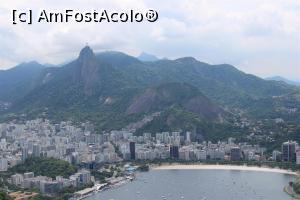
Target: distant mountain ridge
<point>112,90</point>
<point>279,78</point>
<point>147,57</point>
<point>17,81</point>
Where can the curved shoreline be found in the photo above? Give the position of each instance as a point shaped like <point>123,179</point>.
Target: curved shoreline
<point>289,190</point>
<point>222,167</point>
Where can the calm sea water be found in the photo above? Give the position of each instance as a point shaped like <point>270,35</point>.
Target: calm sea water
<point>201,185</point>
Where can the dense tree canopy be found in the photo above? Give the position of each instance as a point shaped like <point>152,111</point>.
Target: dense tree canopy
<point>50,167</point>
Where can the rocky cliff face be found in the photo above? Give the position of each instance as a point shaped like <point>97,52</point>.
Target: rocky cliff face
<point>89,69</point>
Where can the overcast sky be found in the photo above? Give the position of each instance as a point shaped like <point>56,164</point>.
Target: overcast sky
<point>261,37</point>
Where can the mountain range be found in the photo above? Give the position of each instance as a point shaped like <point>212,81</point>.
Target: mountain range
<point>114,90</point>
<point>287,81</point>
<point>147,57</point>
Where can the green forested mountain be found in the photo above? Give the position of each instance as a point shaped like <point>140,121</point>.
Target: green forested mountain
<point>113,90</point>
<point>16,82</point>
<point>284,80</point>
<point>222,83</point>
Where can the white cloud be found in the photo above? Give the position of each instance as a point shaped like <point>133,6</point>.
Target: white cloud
<point>258,36</point>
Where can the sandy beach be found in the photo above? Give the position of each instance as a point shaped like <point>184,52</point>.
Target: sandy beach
<point>223,167</point>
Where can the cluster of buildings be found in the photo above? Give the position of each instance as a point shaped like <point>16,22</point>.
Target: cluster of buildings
<point>290,152</point>
<point>40,138</point>
<point>178,146</point>
<point>48,185</point>
<point>80,144</point>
